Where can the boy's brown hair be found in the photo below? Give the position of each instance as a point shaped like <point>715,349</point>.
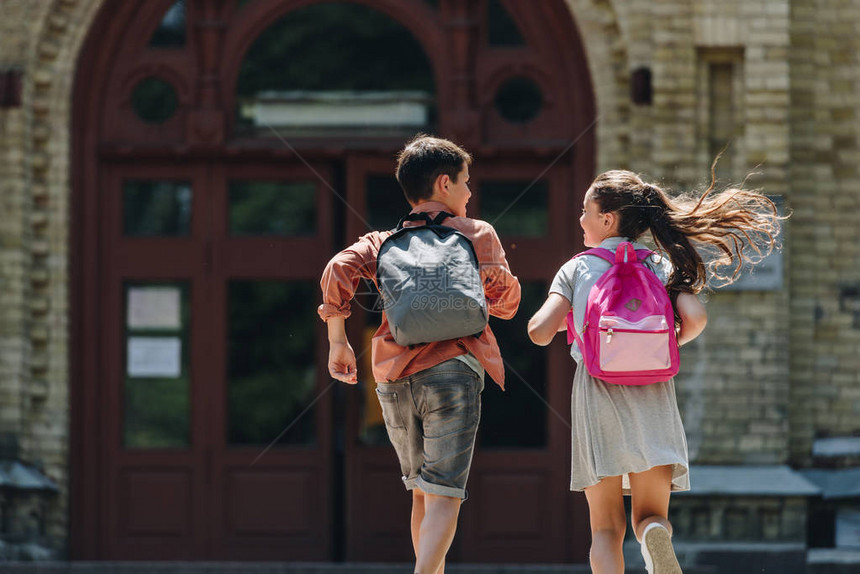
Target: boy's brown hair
<point>423,160</point>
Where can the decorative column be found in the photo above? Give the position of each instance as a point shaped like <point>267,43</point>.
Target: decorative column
<point>461,26</point>
<point>206,121</point>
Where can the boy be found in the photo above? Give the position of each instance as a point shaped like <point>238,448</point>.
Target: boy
<point>430,393</point>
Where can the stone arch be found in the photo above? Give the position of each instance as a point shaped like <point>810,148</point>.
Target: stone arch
<point>606,52</point>
<point>47,99</point>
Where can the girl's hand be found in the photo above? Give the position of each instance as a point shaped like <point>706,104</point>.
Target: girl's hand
<point>341,362</point>
<point>549,319</point>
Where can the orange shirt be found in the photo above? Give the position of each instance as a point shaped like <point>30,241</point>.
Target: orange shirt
<point>391,361</point>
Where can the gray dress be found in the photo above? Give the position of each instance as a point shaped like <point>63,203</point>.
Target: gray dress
<point>618,429</point>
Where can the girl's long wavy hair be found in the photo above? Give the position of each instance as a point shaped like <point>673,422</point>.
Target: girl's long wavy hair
<point>734,224</point>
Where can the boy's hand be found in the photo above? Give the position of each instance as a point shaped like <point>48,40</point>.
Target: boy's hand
<point>341,362</point>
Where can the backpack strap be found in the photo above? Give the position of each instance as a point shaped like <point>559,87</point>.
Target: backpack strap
<point>611,258</point>
<point>604,254</point>
<point>441,216</point>
<point>422,216</point>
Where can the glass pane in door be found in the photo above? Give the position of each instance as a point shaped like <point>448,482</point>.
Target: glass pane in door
<point>271,362</point>
<point>517,417</point>
<point>516,208</point>
<point>153,208</point>
<point>386,203</point>
<point>280,208</point>
<point>157,366</point>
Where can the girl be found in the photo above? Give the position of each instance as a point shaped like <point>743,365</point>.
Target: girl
<point>629,440</point>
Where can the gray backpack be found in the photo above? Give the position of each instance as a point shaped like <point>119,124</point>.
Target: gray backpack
<point>430,282</point>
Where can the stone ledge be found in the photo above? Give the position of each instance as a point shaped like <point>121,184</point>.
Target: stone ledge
<point>834,556</point>
<point>744,480</point>
<point>734,557</point>
<point>833,561</point>
<point>835,483</point>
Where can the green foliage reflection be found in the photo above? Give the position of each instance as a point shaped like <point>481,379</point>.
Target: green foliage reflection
<point>156,411</point>
<point>156,208</point>
<point>271,362</point>
<point>335,46</point>
<point>514,213</point>
<point>272,208</point>
<point>517,417</point>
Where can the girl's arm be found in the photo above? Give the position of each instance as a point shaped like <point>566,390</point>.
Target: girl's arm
<point>693,317</point>
<point>549,319</point>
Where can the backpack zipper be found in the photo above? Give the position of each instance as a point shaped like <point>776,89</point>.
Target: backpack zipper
<point>611,331</point>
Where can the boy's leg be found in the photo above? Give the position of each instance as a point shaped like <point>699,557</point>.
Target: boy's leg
<point>417,518</point>
<point>448,399</point>
<point>436,533</point>
<point>608,524</point>
<point>405,432</point>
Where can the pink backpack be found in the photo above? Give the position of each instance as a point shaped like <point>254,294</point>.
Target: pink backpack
<point>628,337</point>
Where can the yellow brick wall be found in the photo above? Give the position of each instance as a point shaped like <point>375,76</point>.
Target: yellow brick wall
<point>42,38</point>
<point>734,385</point>
<point>825,349</point>
<point>773,368</point>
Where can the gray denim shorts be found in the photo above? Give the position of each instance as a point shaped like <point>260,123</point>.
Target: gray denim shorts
<point>432,419</point>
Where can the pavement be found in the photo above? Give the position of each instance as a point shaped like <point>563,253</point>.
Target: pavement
<point>293,568</point>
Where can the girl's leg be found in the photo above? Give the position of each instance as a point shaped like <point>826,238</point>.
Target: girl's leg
<point>650,500</point>
<point>608,524</point>
<point>650,492</point>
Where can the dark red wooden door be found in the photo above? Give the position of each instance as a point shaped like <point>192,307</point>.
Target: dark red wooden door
<point>519,506</point>
<point>218,429</point>
<point>204,425</point>
<point>153,298</point>
<point>377,507</point>
<point>270,417</point>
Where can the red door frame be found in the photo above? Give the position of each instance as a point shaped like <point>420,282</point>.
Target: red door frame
<point>111,62</point>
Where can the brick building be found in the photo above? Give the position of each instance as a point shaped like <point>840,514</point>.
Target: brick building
<point>107,106</point>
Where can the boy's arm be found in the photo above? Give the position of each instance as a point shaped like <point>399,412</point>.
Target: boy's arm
<point>339,282</point>
<point>501,287</point>
<point>341,357</point>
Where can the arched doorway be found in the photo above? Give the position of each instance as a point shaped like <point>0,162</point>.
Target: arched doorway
<point>224,149</point>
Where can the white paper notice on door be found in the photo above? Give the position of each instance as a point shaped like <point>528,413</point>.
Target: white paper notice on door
<point>154,308</point>
<point>154,357</point>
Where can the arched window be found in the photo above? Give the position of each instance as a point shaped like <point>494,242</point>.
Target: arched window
<point>171,32</point>
<point>335,69</point>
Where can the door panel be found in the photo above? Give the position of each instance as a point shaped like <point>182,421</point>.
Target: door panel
<point>271,405</point>
<point>219,425</point>
<point>520,470</point>
<point>154,361</point>
<point>377,505</point>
